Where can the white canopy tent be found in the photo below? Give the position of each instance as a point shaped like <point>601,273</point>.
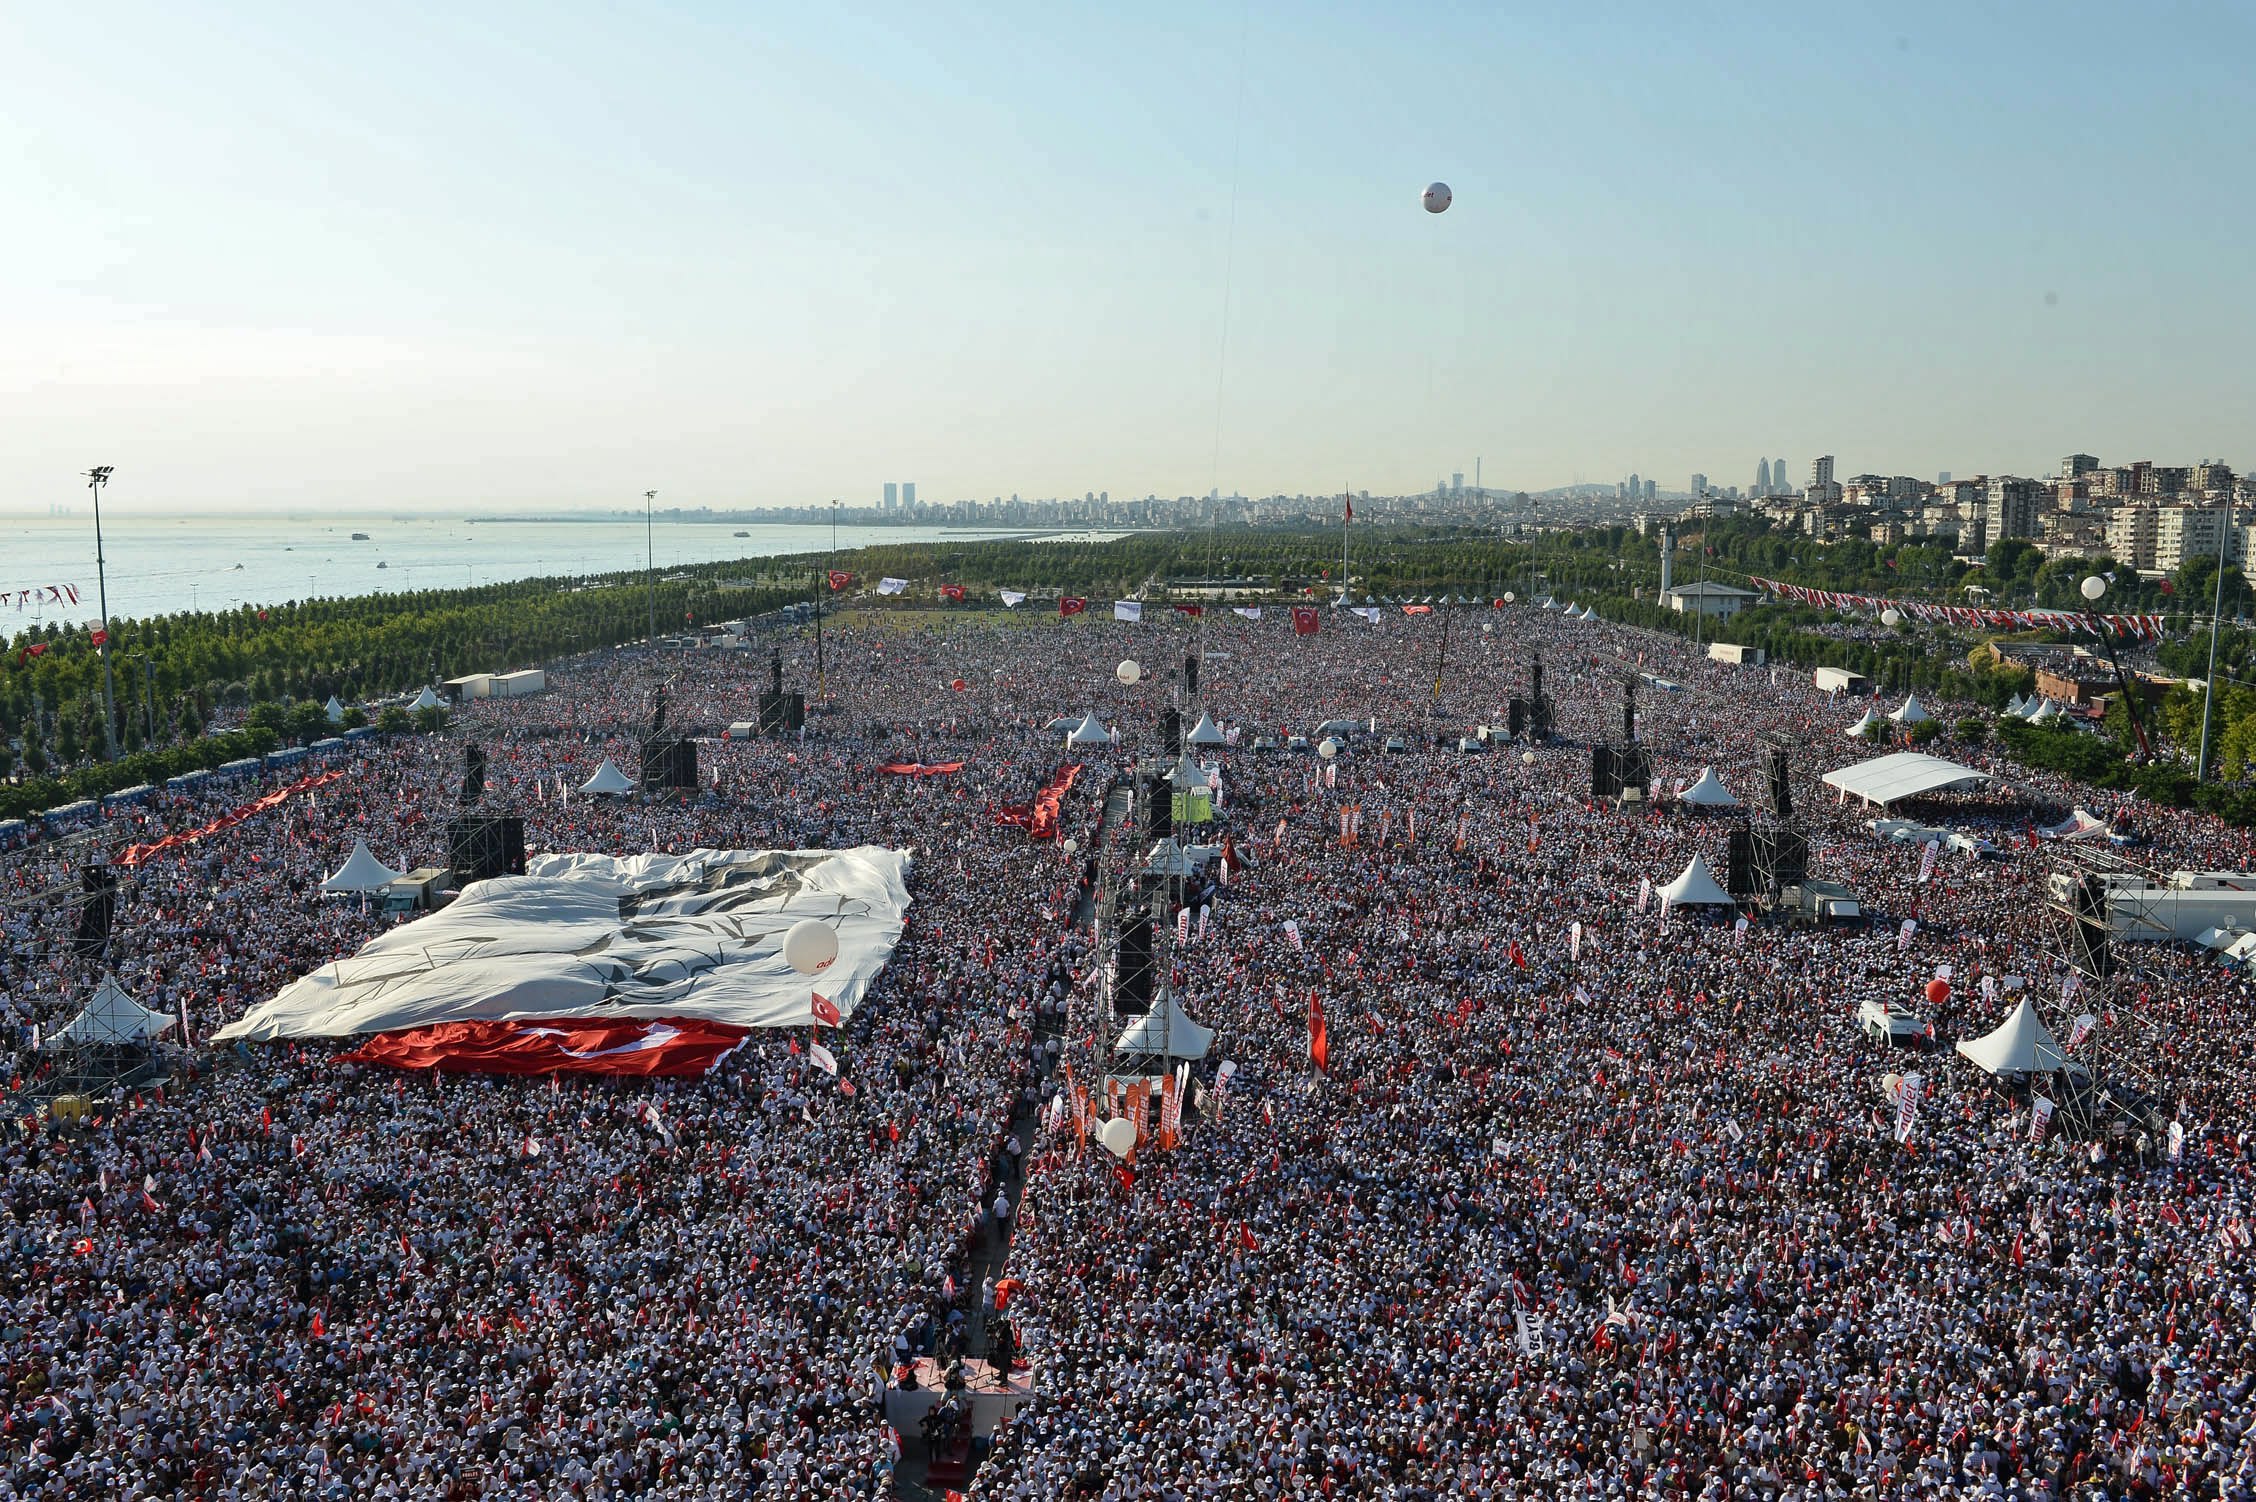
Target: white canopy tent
<point>1205,732</point>
<point>361,872</point>
<point>2044,714</point>
<point>1166,1032</point>
<point>1910,712</point>
<point>2079,825</point>
<point>1186,773</point>
<point>112,1017</point>
<point>1170,858</point>
<point>1864,726</point>
<point>607,779</point>
<point>1089,733</point>
<point>1906,774</point>
<point>697,935</point>
<point>2015,705</point>
<point>427,700</point>
<point>334,710</point>
<point>2022,1044</point>
<point>1696,887</point>
<point>1708,791</point>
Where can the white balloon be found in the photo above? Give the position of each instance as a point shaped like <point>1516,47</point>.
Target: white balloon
<point>1437,197</point>
<point>1509,597</point>
<point>1072,845</point>
<point>1327,748</point>
<point>1527,758</point>
<point>810,946</point>
<point>2093,586</point>
<point>1118,1136</point>
<point>1128,672</point>
<point>1891,616</point>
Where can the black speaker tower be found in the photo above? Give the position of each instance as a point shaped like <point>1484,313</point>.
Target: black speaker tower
<point>480,846</point>
<point>473,773</point>
<point>94,917</point>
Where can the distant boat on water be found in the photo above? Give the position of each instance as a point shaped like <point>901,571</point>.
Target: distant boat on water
<point>360,537</point>
<point>744,534</point>
<point>380,563</point>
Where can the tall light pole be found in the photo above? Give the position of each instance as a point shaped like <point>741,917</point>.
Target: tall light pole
<point>96,478</point>
<point>650,562</point>
<point>2209,685</point>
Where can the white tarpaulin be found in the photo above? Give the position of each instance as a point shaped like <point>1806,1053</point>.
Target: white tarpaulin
<point>1166,1030</point>
<point>361,872</point>
<point>696,935</point>
<point>1906,774</point>
<point>2079,825</point>
<point>112,1017</point>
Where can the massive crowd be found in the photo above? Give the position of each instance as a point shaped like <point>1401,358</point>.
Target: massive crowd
<point>1608,1210</point>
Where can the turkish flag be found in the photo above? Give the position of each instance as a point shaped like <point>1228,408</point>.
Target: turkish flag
<point>1306,622</point>
<point>839,578</point>
<point>1192,609</point>
<point>1072,605</point>
<point>97,635</point>
<point>825,1010</point>
<point>1319,1042</point>
<point>1245,1238</point>
<point>952,591</point>
<point>639,1046</point>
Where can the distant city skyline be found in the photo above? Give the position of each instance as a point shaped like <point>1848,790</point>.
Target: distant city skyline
<point>554,256</point>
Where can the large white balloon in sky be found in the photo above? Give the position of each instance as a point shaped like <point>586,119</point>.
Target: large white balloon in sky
<point>1436,197</point>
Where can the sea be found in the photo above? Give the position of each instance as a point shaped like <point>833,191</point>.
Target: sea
<point>160,565</point>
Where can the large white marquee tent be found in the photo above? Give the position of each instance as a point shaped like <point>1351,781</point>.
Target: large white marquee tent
<point>1906,774</point>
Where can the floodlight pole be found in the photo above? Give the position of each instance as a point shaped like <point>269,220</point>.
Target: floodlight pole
<point>2209,684</point>
<point>650,562</point>
<point>96,478</point>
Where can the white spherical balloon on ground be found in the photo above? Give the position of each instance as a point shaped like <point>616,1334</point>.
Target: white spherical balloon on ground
<point>1118,1136</point>
<point>1128,672</point>
<point>1327,748</point>
<point>810,946</point>
<point>1437,197</point>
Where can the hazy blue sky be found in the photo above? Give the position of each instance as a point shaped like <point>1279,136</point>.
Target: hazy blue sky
<point>558,253</point>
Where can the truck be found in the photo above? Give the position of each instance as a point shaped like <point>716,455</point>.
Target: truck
<point>1840,681</point>
<point>1735,656</point>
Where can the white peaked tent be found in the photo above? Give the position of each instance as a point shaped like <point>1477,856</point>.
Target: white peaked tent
<point>112,1017</point>
<point>1164,1030</point>
<point>1185,774</point>
<point>1089,733</point>
<point>1697,887</point>
<point>1709,791</point>
<point>2022,1044</point>
<point>1205,732</point>
<point>427,700</point>
<point>1911,712</point>
<point>2045,713</point>
<point>334,710</point>
<point>361,872</point>
<point>607,779</point>
<point>1864,725</point>
<point>2015,705</point>
<point>2079,825</point>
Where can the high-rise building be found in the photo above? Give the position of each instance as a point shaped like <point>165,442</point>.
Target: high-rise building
<point>1762,478</point>
<point>892,494</point>
<point>1821,471</point>
<point>1652,491</point>
<point>1699,486</point>
<point>1636,486</point>
<point>2076,466</point>
<point>1457,483</point>
<point>2014,507</point>
<point>1942,477</point>
<point>908,495</point>
<point>1778,480</point>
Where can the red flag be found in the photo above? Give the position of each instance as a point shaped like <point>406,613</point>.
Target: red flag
<point>1319,1044</point>
<point>97,634</point>
<point>952,591</point>
<point>317,1329</point>
<point>1192,609</point>
<point>1072,605</point>
<point>1519,960</point>
<point>1306,622</point>
<point>1245,1238</point>
<point>1417,610</point>
<point>825,1010</point>
<point>262,615</point>
<point>839,578</point>
<point>36,649</point>
<point>1350,509</point>
<point>642,1047</point>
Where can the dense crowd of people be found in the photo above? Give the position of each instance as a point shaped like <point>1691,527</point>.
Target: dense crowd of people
<point>1588,1198</point>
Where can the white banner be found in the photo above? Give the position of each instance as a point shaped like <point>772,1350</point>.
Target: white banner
<point>1739,934</point>
<point>891,586</point>
<point>1904,933</point>
<point>1368,612</point>
<point>824,1059</point>
<point>1644,892</point>
<point>1927,854</point>
<point>1907,1105</point>
<point>2040,1117</point>
<point>1127,610</point>
<point>1013,598</point>
<point>2177,1141</point>
<point>697,935</point>
<point>1574,940</point>
<point>1292,933</point>
<point>2082,1029</point>
<point>1250,612</point>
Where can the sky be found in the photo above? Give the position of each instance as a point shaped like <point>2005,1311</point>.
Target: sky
<point>556,254</point>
